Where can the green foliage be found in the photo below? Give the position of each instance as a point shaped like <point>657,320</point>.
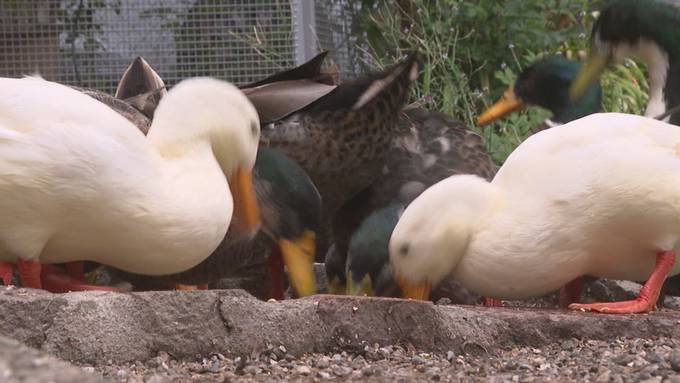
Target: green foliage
<point>475,49</point>
<point>625,88</point>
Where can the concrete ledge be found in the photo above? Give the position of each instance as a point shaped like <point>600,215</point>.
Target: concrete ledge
<point>97,327</point>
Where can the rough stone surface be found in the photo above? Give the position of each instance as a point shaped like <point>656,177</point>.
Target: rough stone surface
<point>19,363</point>
<point>100,327</point>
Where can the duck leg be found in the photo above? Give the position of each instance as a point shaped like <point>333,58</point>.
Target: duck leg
<point>29,273</point>
<point>55,280</point>
<point>493,302</point>
<point>275,266</point>
<point>649,294</point>
<point>76,270</point>
<point>571,293</point>
<point>6,271</point>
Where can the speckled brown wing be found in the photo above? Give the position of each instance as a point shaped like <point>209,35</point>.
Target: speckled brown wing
<point>342,138</point>
<point>433,147</point>
<point>125,109</point>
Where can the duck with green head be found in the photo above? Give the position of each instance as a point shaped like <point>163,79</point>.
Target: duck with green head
<point>546,84</point>
<point>649,30</point>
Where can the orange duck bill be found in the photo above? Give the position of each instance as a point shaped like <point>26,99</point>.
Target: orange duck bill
<point>506,105</point>
<point>246,217</point>
<point>409,290</point>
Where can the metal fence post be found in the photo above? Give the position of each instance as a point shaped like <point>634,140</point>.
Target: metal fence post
<point>304,30</point>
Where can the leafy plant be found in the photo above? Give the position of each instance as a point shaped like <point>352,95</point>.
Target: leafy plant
<point>475,49</point>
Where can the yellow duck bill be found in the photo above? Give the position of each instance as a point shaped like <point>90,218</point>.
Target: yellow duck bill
<point>590,72</point>
<point>506,105</point>
<point>298,256</point>
<point>363,287</point>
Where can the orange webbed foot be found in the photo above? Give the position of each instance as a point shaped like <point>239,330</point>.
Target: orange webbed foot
<point>649,294</point>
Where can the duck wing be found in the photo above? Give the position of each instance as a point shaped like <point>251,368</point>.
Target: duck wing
<point>342,138</point>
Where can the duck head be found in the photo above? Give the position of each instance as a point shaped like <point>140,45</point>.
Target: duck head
<point>546,83</point>
<point>192,115</point>
<point>334,266</point>
<point>434,232</point>
<point>368,261</point>
<point>291,214</point>
<point>631,28</point>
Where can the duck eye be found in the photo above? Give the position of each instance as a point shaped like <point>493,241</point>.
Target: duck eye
<point>403,250</point>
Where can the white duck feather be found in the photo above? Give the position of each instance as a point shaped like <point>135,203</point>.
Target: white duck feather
<point>599,196</point>
<point>80,182</point>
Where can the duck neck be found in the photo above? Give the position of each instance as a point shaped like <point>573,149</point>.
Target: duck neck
<point>671,88</point>
<point>664,79</point>
<point>194,192</point>
<point>589,104</point>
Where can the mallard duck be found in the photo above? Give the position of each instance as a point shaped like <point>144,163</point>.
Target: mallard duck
<point>648,30</point>
<point>334,267</point>
<point>546,83</point>
<point>80,182</point>
<point>368,267</point>
<point>432,146</point>
<point>341,138</point>
<point>569,201</point>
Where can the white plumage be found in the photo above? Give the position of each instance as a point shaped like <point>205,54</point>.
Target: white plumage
<point>80,182</point>
<point>598,196</point>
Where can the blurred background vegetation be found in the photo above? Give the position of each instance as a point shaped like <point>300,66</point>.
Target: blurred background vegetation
<point>473,50</point>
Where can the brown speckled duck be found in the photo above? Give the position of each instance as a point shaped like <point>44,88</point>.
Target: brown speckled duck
<point>340,138</point>
<point>432,147</point>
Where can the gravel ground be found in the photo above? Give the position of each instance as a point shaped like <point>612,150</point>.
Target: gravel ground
<point>621,360</point>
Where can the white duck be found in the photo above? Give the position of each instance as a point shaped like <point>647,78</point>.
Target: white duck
<point>80,182</point>
<point>598,196</point>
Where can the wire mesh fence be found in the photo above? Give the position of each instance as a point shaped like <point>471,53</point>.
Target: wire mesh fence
<point>90,42</point>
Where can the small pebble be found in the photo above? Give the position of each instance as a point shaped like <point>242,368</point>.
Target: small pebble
<point>252,370</point>
<point>367,371</point>
<point>214,367</point>
<point>417,360</point>
<point>323,362</point>
<point>341,371</point>
<point>674,360</point>
<point>303,370</point>
<point>384,352</point>
<point>155,378</point>
<point>603,377</point>
<point>624,359</point>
